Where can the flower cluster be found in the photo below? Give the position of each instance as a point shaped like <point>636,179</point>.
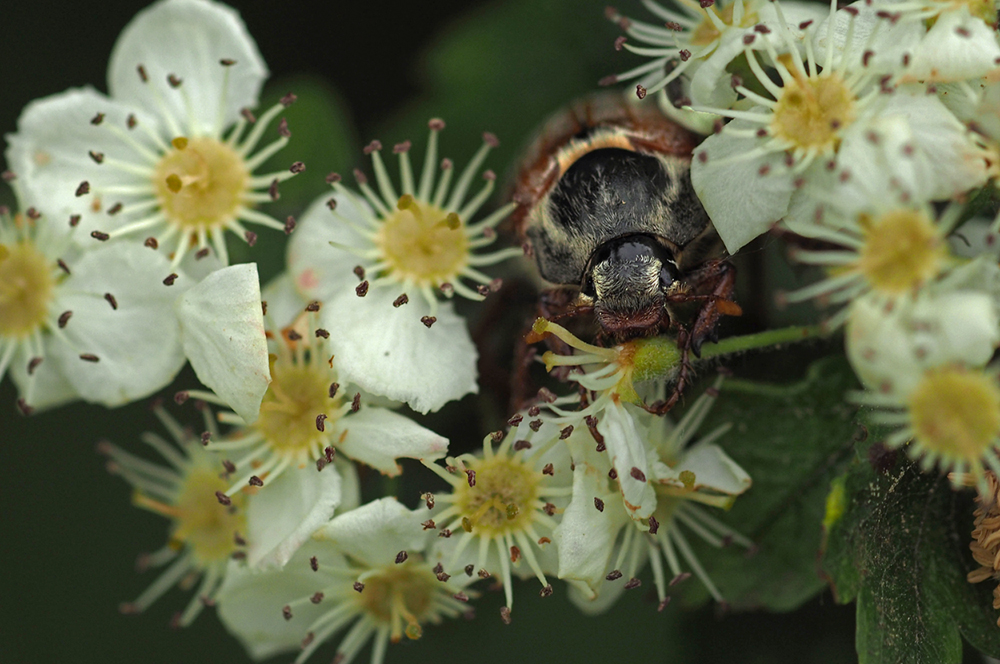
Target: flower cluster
<point>864,133</point>
<point>861,135</point>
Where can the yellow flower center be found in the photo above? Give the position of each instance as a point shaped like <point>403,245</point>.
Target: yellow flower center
<point>200,522</point>
<point>982,9</point>
<point>811,111</point>
<point>200,183</point>
<point>297,394</point>
<point>956,414</point>
<point>401,593</point>
<point>902,250</point>
<point>26,286</point>
<point>503,498</point>
<point>706,33</point>
<point>422,243</point>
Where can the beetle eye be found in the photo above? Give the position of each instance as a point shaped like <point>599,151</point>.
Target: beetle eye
<point>588,287</point>
<point>668,274</point>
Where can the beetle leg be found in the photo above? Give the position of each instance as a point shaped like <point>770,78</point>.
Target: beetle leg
<point>720,275</point>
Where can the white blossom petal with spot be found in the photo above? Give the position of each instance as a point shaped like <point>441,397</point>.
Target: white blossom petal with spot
<point>222,328</point>
<point>377,437</point>
<point>282,518</point>
<point>388,351</point>
<point>375,533</point>
<point>743,197</point>
<point>137,344</point>
<point>188,39</point>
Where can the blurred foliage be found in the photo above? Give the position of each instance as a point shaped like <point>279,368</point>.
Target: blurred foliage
<point>792,440</point>
<point>900,551</point>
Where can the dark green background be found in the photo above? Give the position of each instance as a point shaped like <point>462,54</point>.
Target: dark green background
<point>70,535</point>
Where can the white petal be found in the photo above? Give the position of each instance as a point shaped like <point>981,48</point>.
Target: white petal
<point>386,350</point>
<point>50,155</point>
<point>628,454</point>
<point>222,327</point>
<point>941,142</point>
<point>138,344</point>
<point>377,437</point>
<point>741,202</point>
<point>187,39</point>
<point>586,536</point>
<point>284,303</point>
<point>713,470</point>
<point>49,386</point>
<point>710,82</point>
<point>955,48</point>
<point>375,533</point>
<point>319,270</point>
<point>879,349</point>
<point>607,594</point>
<point>250,602</point>
<point>958,327</point>
<point>286,512</point>
<point>885,42</point>
<point>350,485</point>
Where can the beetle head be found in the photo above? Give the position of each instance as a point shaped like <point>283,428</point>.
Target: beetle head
<point>628,278</point>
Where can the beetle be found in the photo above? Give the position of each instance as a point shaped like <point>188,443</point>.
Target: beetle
<point>606,207</point>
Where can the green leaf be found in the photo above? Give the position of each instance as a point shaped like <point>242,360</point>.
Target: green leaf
<point>793,441</point>
<point>901,550</point>
<point>505,69</point>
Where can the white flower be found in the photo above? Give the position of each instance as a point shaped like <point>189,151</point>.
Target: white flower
<point>94,323</point>
<point>891,346</point>
<point>826,127</point>
<point>915,40</point>
<point>891,251</point>
<point>204,535</point>
<point>949,419</point>
<point>161,156</point>
<point>680,474</point>
<point>392,255</point>
<point>366,571</point>
<point>701,40</point>
<point>501,510</point>
<point>307,416</point>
